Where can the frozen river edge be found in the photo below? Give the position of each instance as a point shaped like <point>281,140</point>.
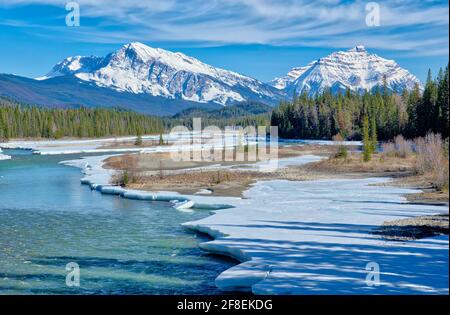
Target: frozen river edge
<point>312,237</point>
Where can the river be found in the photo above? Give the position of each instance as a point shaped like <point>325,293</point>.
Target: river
<point>48,219</point>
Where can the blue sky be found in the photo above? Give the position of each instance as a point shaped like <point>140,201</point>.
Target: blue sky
<point>260,38</point>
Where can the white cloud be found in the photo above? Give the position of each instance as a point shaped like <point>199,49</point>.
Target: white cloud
<point>406,25</point>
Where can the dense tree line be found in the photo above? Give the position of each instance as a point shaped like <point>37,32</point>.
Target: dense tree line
<point>244,114</point>
<point>412,113</point>
<point>18,121</point>
<point>244,121</point>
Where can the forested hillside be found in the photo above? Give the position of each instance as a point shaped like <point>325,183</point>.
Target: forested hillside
<point>412,113</point>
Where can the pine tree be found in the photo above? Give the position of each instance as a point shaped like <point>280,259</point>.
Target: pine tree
<point>442,101</point>
<point>367,144</point>
<point>373,135</point>
<point>426,111</point>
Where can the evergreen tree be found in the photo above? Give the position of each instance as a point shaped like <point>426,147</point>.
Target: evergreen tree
<point>373,135</point>
<point>138,141</point>
<point>367,143</point>
<point>426,111</point>
<point>442,100</point>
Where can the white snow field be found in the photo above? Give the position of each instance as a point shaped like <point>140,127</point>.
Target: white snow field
<point>311,237</point>
<point>315,237</point>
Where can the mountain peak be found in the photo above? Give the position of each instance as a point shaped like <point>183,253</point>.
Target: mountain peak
<point>136,45</point>
<point>355,69</point>
<point>358,48</point>
<point>140,69</point>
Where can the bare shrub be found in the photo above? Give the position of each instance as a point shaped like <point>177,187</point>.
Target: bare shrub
<point>432,160</point>
<point>131,162</point>
<point>121,178</point>
<point>161,170</point>
<point>388,149</point>
<point>403,147</point>
<point>221,177</point>
<point>400,147</point>
<point>342,151</point>
<point>130,173</point>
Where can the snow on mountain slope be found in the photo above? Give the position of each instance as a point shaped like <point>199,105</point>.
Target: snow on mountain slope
<point>355,69</point>
<point>283,82</point>
<point>138,68</point>
<point>73,65</point>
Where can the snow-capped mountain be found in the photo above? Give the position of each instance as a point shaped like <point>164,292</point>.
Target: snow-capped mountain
<point>137,68</point>
<point>159,82</point>
<point>355,69</point>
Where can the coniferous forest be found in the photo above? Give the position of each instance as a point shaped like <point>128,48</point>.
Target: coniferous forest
<point>412,113</point>
<point>18,121</point>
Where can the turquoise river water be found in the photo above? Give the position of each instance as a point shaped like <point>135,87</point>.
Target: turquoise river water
<point>48,219</point>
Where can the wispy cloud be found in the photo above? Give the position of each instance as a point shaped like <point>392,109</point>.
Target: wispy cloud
<point>414,27</point>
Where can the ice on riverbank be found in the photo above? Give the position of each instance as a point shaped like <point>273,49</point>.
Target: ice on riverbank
<point>311,237</point>
<point>92,168</point>
<point>4,156</point>
<point>99,178</point>
<point>315,237</point>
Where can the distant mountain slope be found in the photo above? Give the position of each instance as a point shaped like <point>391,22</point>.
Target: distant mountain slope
<point>355,69</point>
<point>69,91</point>
<point>140,69</point>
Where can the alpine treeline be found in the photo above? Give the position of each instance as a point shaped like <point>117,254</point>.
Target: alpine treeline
<point>18,121</point>
<point>412,113</point>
